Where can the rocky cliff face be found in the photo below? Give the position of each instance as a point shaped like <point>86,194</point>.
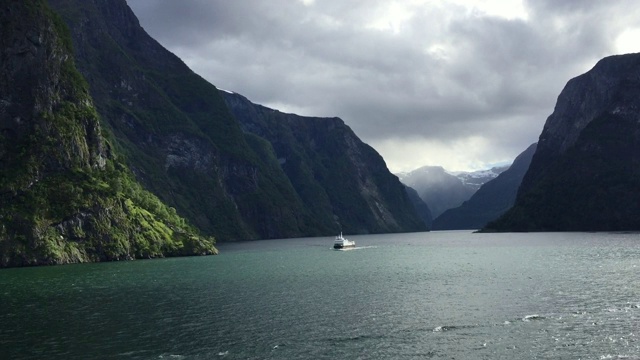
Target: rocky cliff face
<point>63,196</point>
<point>584,99</point>
<point>177,134</point>
<point>39,87</point>
<point>342,181</point>
<point>492,200</point>
<point>586,170</point>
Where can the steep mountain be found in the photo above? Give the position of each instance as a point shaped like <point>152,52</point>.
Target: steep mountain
<point>439,189</point>
<point>63,195</point>
<point>183,143</point>
<point>585,174</point>
<point>493,198</point>
<point>343,182</point>
<point>178,135</point>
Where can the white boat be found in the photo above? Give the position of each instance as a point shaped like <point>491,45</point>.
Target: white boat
<point>341,243</point>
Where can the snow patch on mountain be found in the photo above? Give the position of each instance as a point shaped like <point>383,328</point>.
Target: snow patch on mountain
<point>475,179</point>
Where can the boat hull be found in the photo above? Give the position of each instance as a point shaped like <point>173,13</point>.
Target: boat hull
<point>344,246</point>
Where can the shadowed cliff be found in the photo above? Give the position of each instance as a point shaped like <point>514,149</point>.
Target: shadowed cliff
<point>343,182</point>
<point>585,174</point>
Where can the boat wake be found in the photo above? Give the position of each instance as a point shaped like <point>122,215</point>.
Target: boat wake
<point>356,248</point>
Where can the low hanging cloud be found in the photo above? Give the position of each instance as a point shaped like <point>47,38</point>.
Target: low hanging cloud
<point>454,83</point>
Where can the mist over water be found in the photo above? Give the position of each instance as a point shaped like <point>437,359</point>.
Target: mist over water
<point>438,295</point>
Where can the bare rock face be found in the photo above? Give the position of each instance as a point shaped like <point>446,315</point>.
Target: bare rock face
<point>586,170</point>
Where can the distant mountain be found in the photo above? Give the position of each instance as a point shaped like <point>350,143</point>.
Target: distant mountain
<point>442,190</point>
<point>343,182</point>
<point>493,198</point>
<point>585,174</point>
<point>64,195</point>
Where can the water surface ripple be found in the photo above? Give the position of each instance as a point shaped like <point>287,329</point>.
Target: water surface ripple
<point>439,295</point>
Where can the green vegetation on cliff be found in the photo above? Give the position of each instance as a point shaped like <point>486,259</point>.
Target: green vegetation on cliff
<point>175,131</point>
<point>64,197</point>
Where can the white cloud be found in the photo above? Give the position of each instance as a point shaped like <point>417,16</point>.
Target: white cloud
<point>628,41</point>
<point>463,154</point>
<point>391,17</point>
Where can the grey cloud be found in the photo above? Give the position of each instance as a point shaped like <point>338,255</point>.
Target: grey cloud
<point>446,75</point>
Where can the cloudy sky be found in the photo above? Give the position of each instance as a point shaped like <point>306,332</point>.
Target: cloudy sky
<point>465,84</point>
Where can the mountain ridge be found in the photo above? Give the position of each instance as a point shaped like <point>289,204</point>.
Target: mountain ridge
<point>344,182</point>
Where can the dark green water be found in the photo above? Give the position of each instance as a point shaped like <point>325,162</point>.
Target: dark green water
<point>441,295</point>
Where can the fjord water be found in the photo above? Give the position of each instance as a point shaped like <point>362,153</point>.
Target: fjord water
<point>439,295</point>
